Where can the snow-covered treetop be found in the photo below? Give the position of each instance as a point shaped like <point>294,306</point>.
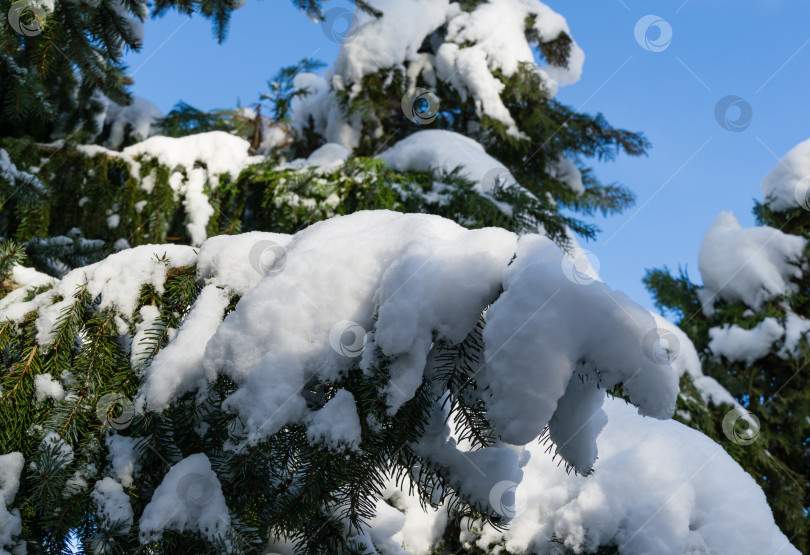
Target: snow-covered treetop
<point>472,51</point>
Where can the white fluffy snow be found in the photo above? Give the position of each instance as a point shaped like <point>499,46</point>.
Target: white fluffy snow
<point>188,499</point>
<point>336,424</point>
<point>436,149</point>
<point>787,185</point>
<point>325,159</point>
<point>11,465</point>
<point>491,38</point>
<point>112,506</point>
<point>751,265</point>
<point>239,262</point>
<point>658,487</point>
<point>122,458</point>
<point>45,387</point>
<point>117,279</point>
<point>533,383</point>
<point>736,344</point>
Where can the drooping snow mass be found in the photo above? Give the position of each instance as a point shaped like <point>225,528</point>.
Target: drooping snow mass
<point>383,284</point>
<point>737,344</point>
<point>112,506</point>
<point>418,274</point>
<point>11,465</point>
<point>188,499</point>
<point>787,185</point>
<point>751,265</point>
<point>178,368</point>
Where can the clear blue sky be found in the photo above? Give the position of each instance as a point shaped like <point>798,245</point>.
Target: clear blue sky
<point>759,51</point>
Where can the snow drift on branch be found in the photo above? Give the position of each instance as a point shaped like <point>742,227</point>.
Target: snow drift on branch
<point>751,265</point>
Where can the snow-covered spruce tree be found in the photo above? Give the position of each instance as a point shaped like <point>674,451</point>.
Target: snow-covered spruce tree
<point>357,387</point>
<point>749,321</point>
<point>353,140</point>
